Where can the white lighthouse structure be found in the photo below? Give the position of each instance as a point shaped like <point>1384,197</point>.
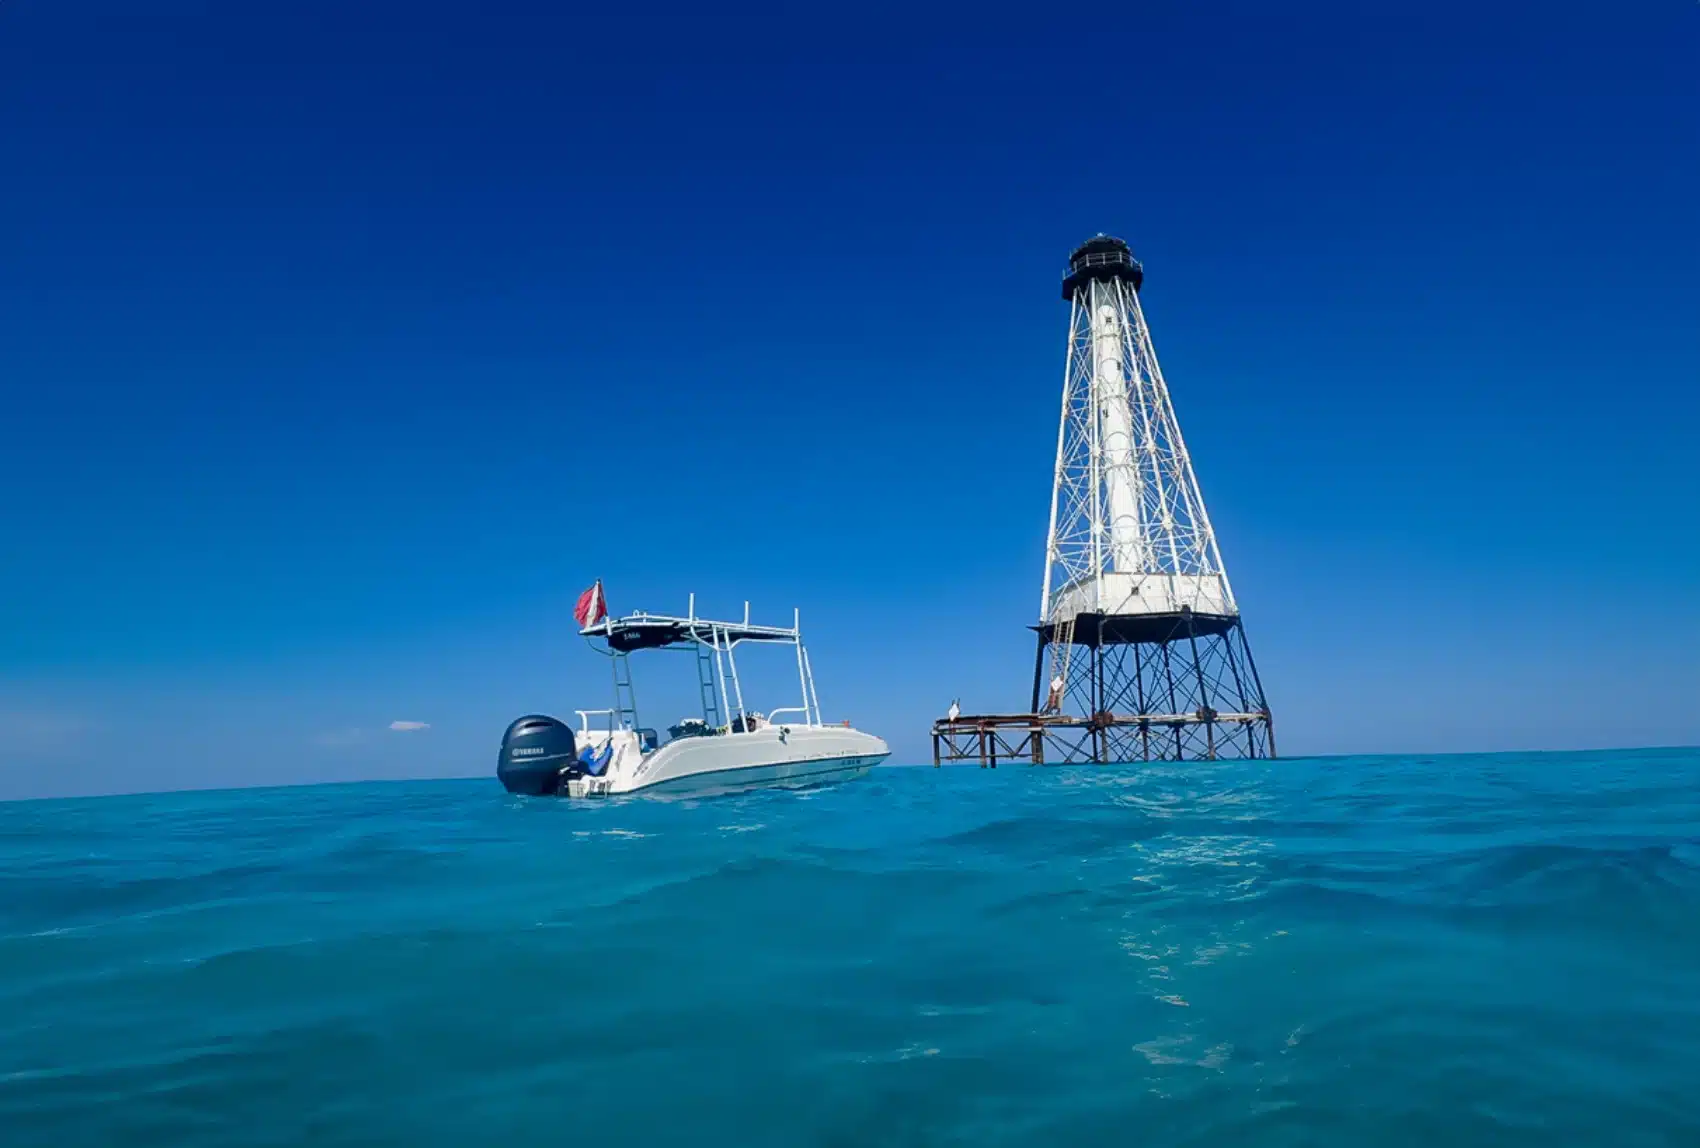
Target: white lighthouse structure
<point>1142,654</point>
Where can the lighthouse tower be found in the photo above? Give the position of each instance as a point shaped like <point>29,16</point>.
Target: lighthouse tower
<point>1141,654</point>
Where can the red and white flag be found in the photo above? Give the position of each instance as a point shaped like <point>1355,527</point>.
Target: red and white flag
<point>591,608</point>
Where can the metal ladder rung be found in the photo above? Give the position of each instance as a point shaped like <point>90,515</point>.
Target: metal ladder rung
<point>1062,646</point>
<point>625,697</point>
<point>705,683</point>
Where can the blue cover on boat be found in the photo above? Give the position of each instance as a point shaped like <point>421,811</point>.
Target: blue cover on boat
<point>594,763</point>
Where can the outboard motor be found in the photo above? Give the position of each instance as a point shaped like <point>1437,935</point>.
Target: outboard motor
<point>538,755</point>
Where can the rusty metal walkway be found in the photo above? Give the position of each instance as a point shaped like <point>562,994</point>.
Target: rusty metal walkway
<point>1051,739</point>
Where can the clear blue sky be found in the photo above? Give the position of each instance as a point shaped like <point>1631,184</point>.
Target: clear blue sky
<point>342,344</point>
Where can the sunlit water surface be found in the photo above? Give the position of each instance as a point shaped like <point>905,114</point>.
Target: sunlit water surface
<point>1429,951</point>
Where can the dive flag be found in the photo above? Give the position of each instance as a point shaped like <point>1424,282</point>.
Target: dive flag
<point>591,608</point>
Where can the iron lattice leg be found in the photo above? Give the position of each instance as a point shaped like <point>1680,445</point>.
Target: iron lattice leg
<point>1039,671</point>
<point>1192,696</point>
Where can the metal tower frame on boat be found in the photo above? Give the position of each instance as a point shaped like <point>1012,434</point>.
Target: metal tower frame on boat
<point>1138,624</point>
<point>715,646</point>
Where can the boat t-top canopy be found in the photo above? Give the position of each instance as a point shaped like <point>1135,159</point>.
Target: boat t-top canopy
<point>641,631</point>
<point>717,666</point>
<point>659,632</point>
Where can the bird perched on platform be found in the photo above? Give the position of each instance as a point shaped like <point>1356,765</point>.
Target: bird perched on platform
<point>955,710</point>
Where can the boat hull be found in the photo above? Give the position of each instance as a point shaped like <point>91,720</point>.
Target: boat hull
<point>776,757</point>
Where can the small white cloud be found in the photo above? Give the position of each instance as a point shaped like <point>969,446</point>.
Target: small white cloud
<point>409,726</point>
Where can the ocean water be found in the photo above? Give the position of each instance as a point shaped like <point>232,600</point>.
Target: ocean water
<point>1445,951</point>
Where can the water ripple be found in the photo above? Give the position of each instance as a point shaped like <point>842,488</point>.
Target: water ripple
<point>1495,949</point>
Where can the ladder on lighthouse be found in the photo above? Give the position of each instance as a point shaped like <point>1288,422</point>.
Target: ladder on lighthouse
<point>1062,646</point>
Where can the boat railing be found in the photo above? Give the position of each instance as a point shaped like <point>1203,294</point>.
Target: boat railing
<point>772,714</point>
<point>584,717</point>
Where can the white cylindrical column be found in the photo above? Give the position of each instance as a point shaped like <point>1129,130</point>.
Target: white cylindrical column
<point>1119,467</point>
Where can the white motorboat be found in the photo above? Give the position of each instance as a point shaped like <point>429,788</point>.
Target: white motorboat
<point>730,747</point>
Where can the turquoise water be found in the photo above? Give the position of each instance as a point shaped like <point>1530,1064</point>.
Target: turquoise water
<point>1428,951</point>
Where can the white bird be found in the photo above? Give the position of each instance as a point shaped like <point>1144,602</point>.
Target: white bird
<point>954,712</point>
